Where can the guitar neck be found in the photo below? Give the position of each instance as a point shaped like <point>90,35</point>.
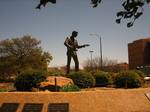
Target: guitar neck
<point>81,46</point>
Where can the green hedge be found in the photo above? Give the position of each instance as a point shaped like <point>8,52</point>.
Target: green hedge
<point>102,78</point>
<point>56,73</point>
<point>3,90</point>
<point>128,79</point>
<point>51,88</point>
<point>82,79</point>
<point>27,80</point>
<point>2,80</point>
<point>141,74</point>
<point>70,88</point>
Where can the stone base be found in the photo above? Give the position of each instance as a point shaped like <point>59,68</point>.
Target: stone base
<point>117,100</point>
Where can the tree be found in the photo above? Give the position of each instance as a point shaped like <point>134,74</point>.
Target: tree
<point>132,9</point>
<point>44,2</point>
<point>20,54</point>
<point>94,64</point>
<point>108,65</point>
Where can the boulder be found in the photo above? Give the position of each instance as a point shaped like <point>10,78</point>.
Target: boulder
<point>51,80</point>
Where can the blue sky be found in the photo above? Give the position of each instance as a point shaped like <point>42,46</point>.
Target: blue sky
<point>54,23</point>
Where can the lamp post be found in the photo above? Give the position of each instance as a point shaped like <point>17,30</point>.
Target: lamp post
<point>91,52</point>
<point>100,48</point>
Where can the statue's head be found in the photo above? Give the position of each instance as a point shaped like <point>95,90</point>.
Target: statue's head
<point>74,33</point>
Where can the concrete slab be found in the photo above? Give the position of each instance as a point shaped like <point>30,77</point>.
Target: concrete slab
<point>116,100</point>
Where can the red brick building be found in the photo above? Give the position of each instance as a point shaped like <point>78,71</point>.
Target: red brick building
<point>123,66</point>
<point>139,53</point>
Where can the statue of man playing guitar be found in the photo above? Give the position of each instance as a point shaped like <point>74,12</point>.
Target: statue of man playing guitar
<point>72,47</point>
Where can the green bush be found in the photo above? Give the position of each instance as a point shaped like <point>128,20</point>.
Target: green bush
<point>2,80</point>
<point>27,80</point>
<point>70,88</point>
<point>102,78</point>
<point>3,90</point>
<point>82,79</point>
<point>128,79</point>
<point>51,88</point>
<point>141,74</point>
<point>56,73</point>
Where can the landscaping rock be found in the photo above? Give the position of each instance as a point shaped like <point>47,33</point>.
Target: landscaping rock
<point>50,82</point>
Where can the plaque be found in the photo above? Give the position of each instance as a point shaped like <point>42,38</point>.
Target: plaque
<point>9,107</point>
<point>58,107</point>
<point>32,107</point>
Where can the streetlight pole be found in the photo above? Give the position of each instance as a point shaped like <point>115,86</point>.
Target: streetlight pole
<point>100,46</point>
<point>100,49</point>
<point>91,57</point>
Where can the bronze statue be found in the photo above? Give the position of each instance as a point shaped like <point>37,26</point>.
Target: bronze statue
<point>72,47</point>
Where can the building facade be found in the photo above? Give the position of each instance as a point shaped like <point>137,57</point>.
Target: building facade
<point>139,53</point>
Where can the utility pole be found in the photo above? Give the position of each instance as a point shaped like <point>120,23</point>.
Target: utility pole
<point>100,49</point>
<point>91,52</point>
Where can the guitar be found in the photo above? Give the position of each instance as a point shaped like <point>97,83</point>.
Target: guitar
<point>81,46</point>
<point>73,47</point>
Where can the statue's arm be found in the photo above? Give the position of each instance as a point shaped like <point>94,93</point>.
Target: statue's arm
<point>66,43</point>
<point>80,46</point>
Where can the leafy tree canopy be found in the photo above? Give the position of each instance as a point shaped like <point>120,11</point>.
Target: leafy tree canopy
<point>19,54</point>
<point>132,9</point>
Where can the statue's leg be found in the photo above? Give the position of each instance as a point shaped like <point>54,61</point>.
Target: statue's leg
<point>75,58</point>
<point>68,63</point>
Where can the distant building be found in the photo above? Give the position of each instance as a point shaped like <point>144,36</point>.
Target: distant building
<point>139,53</point>
<point>123,66</point>
<point>116,67</point>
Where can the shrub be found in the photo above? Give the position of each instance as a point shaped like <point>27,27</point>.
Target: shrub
<point>82,79</point>
<point>27,80</point>
<point>3,90</point>
<point>141,74</point>
<point>102,78</point>
<point>70,88</point>
<point>2,80</point>
<point>56,73</point>
<point>128,79</point>
<point>51,88</point>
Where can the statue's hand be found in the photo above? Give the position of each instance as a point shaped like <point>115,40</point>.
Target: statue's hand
<point>74,48</point>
